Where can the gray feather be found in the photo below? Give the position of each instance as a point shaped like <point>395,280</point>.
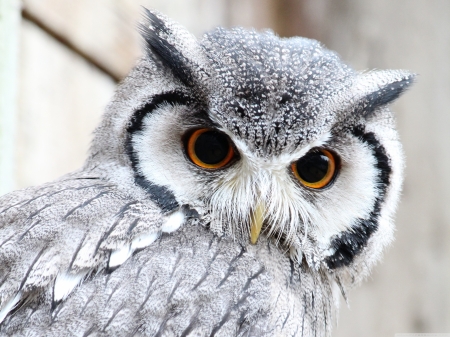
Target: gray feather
<point>192,283</point>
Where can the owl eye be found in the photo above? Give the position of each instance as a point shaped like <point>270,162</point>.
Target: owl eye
<point>209,148</point>
<point>316,169</point>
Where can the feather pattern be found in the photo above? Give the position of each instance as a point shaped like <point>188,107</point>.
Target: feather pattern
<point>207,286</point>
<point>54,231</point>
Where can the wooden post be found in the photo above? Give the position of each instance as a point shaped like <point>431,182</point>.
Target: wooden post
<point>9,45</point>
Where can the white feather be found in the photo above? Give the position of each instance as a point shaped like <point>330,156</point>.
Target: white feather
<point>119,256</point>
<point>143,240</point>
<point>9,305</point>
<point>65,283</point>
<point>173,222</point>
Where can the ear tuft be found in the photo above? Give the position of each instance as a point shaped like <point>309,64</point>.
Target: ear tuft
<point>167,43</point>
<point>367,92</point>
<point>381,88</point>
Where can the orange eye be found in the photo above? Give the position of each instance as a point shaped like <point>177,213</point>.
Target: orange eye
<point>209,149</point>
<point>316,169</point>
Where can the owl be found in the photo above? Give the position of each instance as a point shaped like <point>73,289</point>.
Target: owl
<point>237,185</point>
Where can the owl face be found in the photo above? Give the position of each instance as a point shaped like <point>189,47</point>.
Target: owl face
<point>258,135</point>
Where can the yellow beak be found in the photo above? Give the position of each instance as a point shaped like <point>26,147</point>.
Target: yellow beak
<point>257,221</point>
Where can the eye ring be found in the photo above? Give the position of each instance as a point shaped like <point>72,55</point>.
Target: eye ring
<point>218,156</point>
<point>316,177</point>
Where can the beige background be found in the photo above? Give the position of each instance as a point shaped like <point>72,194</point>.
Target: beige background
<point>71,53</point>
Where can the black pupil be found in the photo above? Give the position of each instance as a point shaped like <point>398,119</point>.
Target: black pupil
<point>313,167</point>
<point>212,147</point>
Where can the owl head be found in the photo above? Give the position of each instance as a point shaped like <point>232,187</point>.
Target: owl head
<point>258,136</point>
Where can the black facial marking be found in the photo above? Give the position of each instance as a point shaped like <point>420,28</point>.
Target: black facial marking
<point>159,49</point>
<point>351,242</point>
<point>163,197</point>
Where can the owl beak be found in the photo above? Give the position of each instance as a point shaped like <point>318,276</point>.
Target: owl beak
<point>257,220</point>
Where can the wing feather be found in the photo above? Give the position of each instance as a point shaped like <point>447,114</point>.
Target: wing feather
<point>67,227</point>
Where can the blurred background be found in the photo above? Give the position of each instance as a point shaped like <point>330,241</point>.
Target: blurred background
<point>60,61</point>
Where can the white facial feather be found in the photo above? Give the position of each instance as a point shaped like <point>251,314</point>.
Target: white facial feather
<point>167,165</point>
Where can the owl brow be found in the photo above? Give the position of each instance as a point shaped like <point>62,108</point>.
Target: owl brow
<point>200,117</point>
<point>159,48</point>
<point>175,97</point>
